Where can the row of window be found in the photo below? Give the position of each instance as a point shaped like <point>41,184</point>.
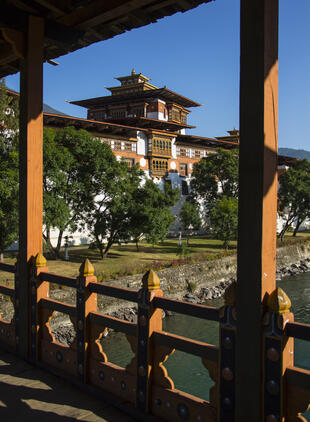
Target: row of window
<point>161,145</point>
<point>191,153</point>
<point>159,166</point>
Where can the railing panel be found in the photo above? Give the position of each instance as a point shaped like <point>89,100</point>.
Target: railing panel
<point>9,268</point>
<point>116,292</point>
<point>58,279</point>
<point>194,347</point>
<point>175,405</point>
<point>116,324</point>
<point>298,330</point>
<point>200,311</point>
<point>297,393</point>
<point>55,305</point>
<point>8,291</point>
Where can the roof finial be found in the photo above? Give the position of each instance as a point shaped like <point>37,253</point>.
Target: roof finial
<point>133,72</point>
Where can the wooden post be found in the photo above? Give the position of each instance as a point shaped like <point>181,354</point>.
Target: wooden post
<point>39,289</point>
<point>86,302</point>
<point>31,169</point>
<point>227,373</point>
<point>278,355</point>
<point>257,195</point>
<point>149,320</point>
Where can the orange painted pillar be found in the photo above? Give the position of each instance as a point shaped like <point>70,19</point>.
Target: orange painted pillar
<point>258,196</point>
<point>31,169</point>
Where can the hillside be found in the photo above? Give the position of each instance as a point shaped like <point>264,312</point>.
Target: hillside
<point>296,153</point>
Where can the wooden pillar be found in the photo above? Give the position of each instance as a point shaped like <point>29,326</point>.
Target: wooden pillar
<point>258,195</point>
<point>31,168</point>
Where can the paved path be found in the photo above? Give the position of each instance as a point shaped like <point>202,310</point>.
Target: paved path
<point>28,394</point>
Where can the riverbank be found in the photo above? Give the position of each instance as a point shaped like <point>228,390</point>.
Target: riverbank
<point>195,283</point>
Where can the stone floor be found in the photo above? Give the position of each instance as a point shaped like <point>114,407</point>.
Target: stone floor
<point>30,394</point>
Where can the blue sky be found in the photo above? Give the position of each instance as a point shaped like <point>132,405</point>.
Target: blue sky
<point>197,55</point>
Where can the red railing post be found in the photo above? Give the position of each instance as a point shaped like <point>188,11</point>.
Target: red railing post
<point>86,302</point>
<point>227,365</point>
<point>149,320</point>
<point>278,354</point>
<point>38,290</point>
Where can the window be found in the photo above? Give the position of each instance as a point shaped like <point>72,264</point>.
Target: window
<point>128,146</point>
<point>117,145</point>
<point>130,161</point>
<point>183,169</point>
<point>197,153</point>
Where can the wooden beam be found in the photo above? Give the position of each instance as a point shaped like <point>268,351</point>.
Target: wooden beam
<point>7,54</point>
<point>257,196</point>
<point>31,168</point>
<point>16,39</point>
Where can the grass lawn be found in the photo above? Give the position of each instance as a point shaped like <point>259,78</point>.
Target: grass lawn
<point>125,260</point>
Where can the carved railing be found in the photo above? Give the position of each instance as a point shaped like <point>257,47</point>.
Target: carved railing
<point>144,385</point>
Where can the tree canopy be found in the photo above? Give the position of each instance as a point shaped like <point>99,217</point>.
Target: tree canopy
<point>294,195</point>
<point>224,219</point>
<point>215,176</point>
<point>76,166</point>
<point>8,168</point>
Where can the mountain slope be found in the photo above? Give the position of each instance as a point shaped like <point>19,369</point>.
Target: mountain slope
<point>296,153</point>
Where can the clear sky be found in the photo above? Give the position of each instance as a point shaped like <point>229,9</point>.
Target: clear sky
<point>197,55</point>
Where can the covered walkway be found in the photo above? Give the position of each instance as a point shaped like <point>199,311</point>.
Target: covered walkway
<point>29,394</point>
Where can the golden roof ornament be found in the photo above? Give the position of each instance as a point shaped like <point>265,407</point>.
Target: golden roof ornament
<point>40,260</point>
<point>150,280</point>
<point>133,72</point>
<point>278,301</point>
<point>87,268</point>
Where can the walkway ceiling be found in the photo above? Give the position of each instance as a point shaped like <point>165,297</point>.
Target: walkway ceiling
<point>74,24</point>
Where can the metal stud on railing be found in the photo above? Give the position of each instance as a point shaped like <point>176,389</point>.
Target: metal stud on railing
<point>148,317</point>
<point>38,290</point>
<point>278,353</point>
<point>85,303</point>
<point>227,355</point>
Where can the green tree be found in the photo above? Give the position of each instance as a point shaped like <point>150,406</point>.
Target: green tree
<point>110,221</point>
<point>294,195</point>
<point>190,217</point>
<point>224,219</point>
<point>76,166</point>
<point>216,176</point>
<point>151,215</point>
<point>9,112</point>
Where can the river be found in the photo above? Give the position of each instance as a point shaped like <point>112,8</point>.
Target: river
<point>186,370</point>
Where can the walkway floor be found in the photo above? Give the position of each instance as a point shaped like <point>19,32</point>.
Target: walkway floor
<point>28,394</point>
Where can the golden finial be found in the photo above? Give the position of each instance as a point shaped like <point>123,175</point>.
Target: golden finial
<point>87,269</point>
<point>230,295</point>
<point>40,261</point>
<point>133,72</point>
<point>279,302</point>
<point>150,280</point>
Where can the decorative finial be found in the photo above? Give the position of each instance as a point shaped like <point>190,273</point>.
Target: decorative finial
<point>87,269</point>
<point>150,280</point>
<point>40,261</point>
<point>230,295</point>
<point>133,72</point>
<point>279,302</point>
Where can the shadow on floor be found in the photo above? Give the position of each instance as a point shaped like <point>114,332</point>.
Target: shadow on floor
<point>28,394</point>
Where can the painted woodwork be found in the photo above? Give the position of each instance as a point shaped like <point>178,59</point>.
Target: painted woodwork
<point>256,257</point>
<point>86,302</point>
<point>278,354</point>
<point>149,320</point>
<point>31,170</point>
<point>227,365</point>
